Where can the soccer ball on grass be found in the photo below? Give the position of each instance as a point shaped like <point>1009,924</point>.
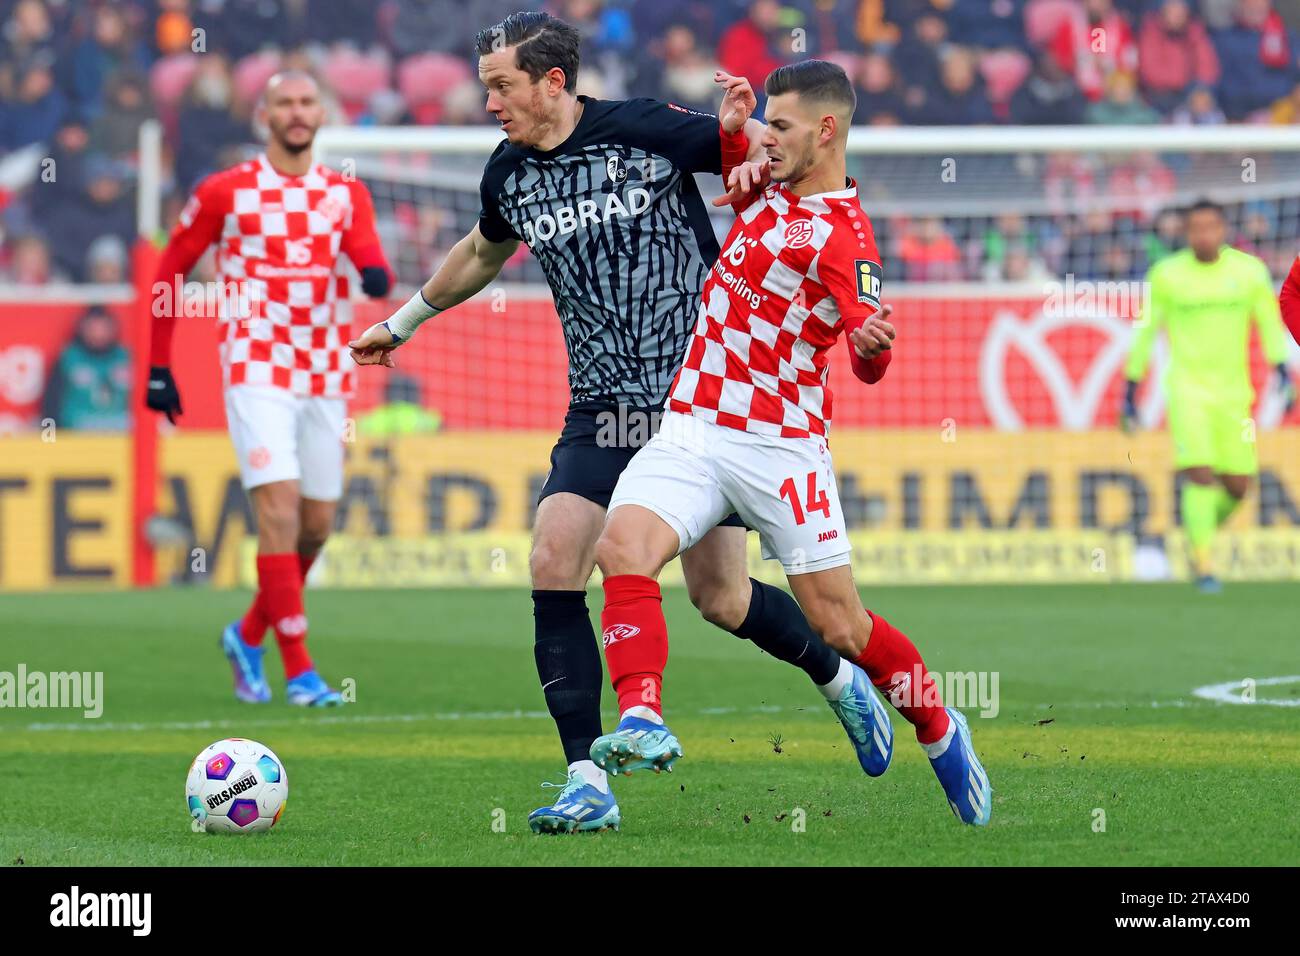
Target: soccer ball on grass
<point>236,786</point>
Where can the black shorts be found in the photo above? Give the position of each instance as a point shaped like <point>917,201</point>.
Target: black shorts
<point>596,444</point>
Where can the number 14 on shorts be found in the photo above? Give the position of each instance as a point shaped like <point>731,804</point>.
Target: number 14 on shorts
<point>814,500</point>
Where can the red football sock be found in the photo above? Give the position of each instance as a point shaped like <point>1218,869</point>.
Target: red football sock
<point>635,639</point>
<point>253,627</point>
<point>894,665</point>
<point>280,581</point>
<point>254,624</point>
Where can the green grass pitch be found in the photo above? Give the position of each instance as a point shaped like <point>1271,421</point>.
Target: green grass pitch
<point>440,758</point>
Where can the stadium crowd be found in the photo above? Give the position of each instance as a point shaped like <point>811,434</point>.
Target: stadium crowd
<point>79,77</point>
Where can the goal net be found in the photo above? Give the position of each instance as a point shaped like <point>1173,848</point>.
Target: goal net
<point>1014,260</point>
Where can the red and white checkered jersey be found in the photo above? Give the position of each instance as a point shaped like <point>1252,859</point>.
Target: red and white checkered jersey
<point>794,271</point>
<point>284,317</point>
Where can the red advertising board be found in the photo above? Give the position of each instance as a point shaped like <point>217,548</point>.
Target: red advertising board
<point>499,363</point>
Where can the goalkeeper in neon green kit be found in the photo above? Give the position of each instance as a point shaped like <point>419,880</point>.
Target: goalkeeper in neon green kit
<point>1205,298</point>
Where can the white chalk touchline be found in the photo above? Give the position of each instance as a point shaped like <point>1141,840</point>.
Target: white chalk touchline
<point>214,724</point>
<point>1243,692</point>
<point>111,725</point>
<point>1116,704</point>
<point>1229,692</point>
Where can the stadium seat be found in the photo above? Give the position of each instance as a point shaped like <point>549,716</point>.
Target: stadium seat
<point>1044,17</point>
<point>355,77</point>
<point>847,61</point>
<point>1003,72</point>
<point>169,78</point>
<point>424,79</point>
<point>252,72</point>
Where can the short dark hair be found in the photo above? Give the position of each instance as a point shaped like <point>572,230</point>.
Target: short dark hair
<point>1206,205</point>
<point>542,43</point>
<point>814,79</point>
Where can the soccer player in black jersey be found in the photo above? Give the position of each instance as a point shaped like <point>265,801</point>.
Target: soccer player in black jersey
<point>603,194</point>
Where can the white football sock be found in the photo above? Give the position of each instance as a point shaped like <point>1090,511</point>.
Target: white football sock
<point>592,774</point>
<point>940,746</point>
<point>645,713</point>
<point>842,679</point>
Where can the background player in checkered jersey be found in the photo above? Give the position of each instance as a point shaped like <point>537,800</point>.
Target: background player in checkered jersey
<point>279,223</point>
<point>602,192</point>
<point>746,432</point>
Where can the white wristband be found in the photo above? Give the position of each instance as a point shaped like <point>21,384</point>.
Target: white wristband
<point>410,316</point>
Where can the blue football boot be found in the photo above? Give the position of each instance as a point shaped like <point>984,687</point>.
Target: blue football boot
<point>246,661</point>
<point>309,690</point>
<point>580,808</point>
<point>962,775</point>
<point>866,721</point>
<point>637,744</point>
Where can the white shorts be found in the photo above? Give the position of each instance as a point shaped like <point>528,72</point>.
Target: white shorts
<point>279,436</point>
<point>694,473</point>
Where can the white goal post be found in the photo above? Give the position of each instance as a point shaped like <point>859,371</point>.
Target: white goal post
<point>963,174</point>
<point>1014,257</point>
<point>336,140</point>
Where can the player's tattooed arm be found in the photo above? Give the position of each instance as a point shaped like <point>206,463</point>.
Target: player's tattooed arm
<point>469,267</point>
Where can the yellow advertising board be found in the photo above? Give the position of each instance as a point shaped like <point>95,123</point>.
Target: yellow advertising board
<point>455,508</point>
<point>64,511</point>
<point>500,559</point>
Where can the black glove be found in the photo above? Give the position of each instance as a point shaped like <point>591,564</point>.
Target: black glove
<point>1129,407</point>
<point>162,394</point>
<point>1286,386</point>
<point>374,281</point>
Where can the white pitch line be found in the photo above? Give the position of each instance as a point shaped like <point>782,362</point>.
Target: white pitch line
<point>1232,692</point>
<point>216,724</point>
<point>110,725</point>
<point>1116,704</point>
<point>1228,692</point>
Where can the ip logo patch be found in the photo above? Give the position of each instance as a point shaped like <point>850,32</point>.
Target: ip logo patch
<point>870,276</point>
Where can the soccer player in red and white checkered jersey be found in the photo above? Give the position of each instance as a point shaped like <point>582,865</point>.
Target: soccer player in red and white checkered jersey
<point>746,430</point>
<point>279,224</point>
